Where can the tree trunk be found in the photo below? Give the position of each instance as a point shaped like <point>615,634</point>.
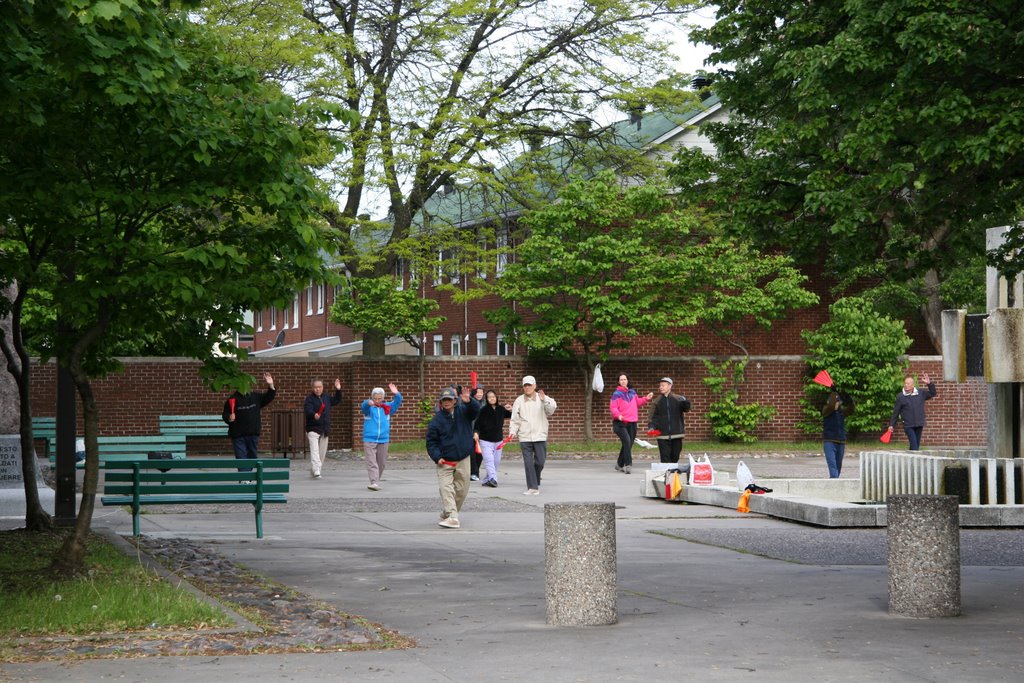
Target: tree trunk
<point>373,344</point>
<point>19,368</point>
<point>931,311</point>
<point>588,398</point>
<point>70,559</point>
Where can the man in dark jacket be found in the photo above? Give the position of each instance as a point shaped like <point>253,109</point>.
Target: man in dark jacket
<point>242,413</point>
<point>833,430</point>
<point>449,445</point>
<point>666,423</point>
<point>910,407</point>
<point>317,411</point>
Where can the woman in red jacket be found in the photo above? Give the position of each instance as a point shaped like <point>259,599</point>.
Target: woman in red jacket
<point>625,408</point>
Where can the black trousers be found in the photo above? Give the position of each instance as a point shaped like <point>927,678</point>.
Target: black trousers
<point>626,431</point>
<point>669,449</point>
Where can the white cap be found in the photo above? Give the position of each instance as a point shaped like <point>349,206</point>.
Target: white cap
<point>666,379</point>
<point>529,379</point>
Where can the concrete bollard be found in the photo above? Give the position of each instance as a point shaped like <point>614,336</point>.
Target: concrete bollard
<point>579,564</point>
<point>924,555</point>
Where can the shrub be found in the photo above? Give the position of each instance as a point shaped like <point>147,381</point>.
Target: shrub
<point>731,420</point>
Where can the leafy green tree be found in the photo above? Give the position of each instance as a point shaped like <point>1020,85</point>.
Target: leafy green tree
<point>863,351</point>
<point>882,136</point>
<point>606,264</point>
<point>450,90</point>
<point>731,420</point>
<point>381,305</point>
<point>147,184</point>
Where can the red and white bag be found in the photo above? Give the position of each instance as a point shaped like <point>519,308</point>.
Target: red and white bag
<point>701,472</point>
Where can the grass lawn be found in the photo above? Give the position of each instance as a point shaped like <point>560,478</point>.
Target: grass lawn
<point>116,593</point>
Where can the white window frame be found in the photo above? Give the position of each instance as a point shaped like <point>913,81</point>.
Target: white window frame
<point>400,274</point>
<point>501,346</point>
<point>439,269</point>
<point>258,315</point>
<point>501,245</point>
<point>438,345</point>
<point>481,343</point>
<point>273,317</point>
<point>309,299</point>
<point>456,345</point>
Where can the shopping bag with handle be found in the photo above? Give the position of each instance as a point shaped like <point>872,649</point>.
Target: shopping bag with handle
<point>701,472</point>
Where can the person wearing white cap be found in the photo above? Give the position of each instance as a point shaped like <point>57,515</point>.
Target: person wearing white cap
<point>666,422</point>
<point>529,423</point>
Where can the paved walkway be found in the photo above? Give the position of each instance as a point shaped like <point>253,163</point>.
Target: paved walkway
<point>811,606</point>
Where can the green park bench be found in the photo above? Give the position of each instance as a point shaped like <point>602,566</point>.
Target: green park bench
<point>196,482</point>
<point>193,425</point>
<point>137,447</point>
<point>45,428</point>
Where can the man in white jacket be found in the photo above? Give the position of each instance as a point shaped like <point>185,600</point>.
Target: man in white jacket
<point>529,423</point>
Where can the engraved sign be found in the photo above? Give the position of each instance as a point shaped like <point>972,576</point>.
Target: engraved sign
<point>10,462</point>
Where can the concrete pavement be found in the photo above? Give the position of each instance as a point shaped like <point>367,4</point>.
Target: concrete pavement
<point>705,593</point>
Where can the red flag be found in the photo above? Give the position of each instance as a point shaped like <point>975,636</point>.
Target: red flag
<point>472,378</point>
<point>823,379</point>
<point>653,432</point>
<point>503,442</point>
<point>231,404</point>
<point>886,436</point>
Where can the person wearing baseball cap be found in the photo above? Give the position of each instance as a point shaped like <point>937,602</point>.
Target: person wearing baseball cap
<point>449,445</point>
<point>529,423</point>
<point>666,423</point>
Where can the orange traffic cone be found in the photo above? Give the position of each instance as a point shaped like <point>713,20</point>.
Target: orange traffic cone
<point>744,505</point>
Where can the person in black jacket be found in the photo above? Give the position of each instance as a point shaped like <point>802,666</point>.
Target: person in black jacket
<point>490,425</point>
<point>449,443</point>
<point>833,430</point>
<point>666,422</point>
<point>317,411</point>
<point>242,414</point>
<point>910,407</point>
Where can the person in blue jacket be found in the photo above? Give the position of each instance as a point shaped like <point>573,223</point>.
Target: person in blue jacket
<point>833,430</point>
<point>377,431</point>
<point>449,445</point>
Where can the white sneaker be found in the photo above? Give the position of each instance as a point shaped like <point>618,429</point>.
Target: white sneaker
<point>531,492</point>
<point>316,475</point>
<point>373,487</point>
<point>450,523</point>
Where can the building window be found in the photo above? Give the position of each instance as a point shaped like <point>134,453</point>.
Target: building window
<point>320,298</point>
<point>456,345</point>
<point>438,345</point>
<point>273,318</point>
<point>501,244</point>
<point>309,299</point>
<point>285,317</point>
<point>456,274</point>
<point>481,271</point>
<point>439,268</point>
<point>481,343</point>
<point>400,273</point>
<point>295,311</point>
<point>502,349</point>
<point>259,321</point>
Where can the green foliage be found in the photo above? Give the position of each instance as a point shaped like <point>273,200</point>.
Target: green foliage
<point>862,351</point>
<point>379,305</point>
<point>883,135</point>
<point>153,191</point>
<point>732,421</point>
<point>603,265</point>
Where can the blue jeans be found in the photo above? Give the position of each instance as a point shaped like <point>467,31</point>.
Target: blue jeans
<point>913,437</point>
<point>246,447</point>
<point>834,457</point>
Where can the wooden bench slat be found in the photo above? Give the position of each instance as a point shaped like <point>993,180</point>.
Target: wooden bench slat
<point>208,490</point>
<point>193,499</point>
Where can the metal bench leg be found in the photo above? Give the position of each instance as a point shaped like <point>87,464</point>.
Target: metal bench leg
<point>259,523</point>
<point>135,521</point>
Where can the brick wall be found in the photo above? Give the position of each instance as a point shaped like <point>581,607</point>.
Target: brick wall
<point>130,402</point>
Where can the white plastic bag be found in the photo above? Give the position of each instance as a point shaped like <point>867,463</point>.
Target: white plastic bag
<point>598,385</point>
<point>744,477</point>
<point>701,472</point>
